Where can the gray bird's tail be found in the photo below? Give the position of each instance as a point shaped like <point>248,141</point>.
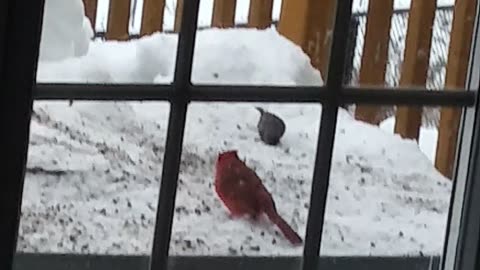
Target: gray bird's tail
<point>262,111</point>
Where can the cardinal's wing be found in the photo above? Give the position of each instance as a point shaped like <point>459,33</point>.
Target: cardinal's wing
<point>255,186</point>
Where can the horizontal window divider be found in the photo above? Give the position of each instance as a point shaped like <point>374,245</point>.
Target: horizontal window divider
<point>27,261</point>
<point>259,93</point>
<point>255,93</point>
<point>412,97</point>
<point>104,92</point>
<point>149,92</point>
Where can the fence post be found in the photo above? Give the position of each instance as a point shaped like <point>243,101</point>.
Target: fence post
<point>415,64</point>
<point>223,13</point>
<point>375,55</point>
<point>118,17</point>
<point>178,16</point>
<point>309,24</point>
<point>457,67</point>
<point>152,16</point>
<point>91,11</point>
<point>260,13</point>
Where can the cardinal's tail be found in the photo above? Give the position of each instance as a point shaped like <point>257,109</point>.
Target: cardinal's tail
<point>289,233</point>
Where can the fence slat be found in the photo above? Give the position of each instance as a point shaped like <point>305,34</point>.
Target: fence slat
<point>308,23</point>
<point>457,68</point>
<point>91,11</point>
<point>152,16</point>
<point>118,18</point>
<point>375,54</point>
<point>260,13</point>
<point>415,64</point>
<point>223,13</point>
<point>178,16</point>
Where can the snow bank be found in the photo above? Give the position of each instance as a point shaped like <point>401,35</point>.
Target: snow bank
<point>94,167</point>
<point>254,53</point>
<point>66,37</point>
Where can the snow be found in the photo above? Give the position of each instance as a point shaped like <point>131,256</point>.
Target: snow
<point>94,168</point>
<point>427,140</point>
<point>71,37</point>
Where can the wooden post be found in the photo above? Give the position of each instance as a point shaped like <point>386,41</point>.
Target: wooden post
<point>457,67</point>
<point>223,13</point>
<point>118,17</point>
<point>375,54</point>
<point>260,13</point>
<point>309,24</point>
<point>152,16</point>
<point>178,16</point>
<point>91,11</point>
<point>415,64</point>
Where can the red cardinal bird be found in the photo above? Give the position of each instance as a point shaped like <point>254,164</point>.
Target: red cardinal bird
<point>242,192</point>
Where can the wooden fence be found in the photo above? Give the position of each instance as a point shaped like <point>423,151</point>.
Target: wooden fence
<point>308,23</point>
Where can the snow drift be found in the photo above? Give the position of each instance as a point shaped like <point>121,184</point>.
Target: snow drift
<point>66,37</point>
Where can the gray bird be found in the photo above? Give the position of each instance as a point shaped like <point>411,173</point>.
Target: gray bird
<point>270,127</point>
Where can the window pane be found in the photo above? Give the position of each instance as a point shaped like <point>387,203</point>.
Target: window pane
<point>203,223</point>
<point>254,45</point>
<point>73,51</point>
<point>407,43</point>
<point>388,195</point>
<point>93,175</point>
